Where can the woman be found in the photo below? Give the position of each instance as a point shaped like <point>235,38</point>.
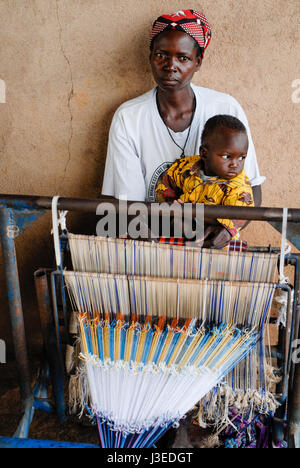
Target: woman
<point>149,132</point>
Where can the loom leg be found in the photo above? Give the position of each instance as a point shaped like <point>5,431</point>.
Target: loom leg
<point>294,397</point>
<point>40,390</point>
<point>53,355</point>
<point>8,229</point>
<point>24,425</point>
<point>294,412</point>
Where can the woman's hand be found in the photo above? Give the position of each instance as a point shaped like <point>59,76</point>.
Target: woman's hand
<point>216,237</point>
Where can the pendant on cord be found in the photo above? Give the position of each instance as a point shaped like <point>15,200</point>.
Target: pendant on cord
<point>170,134</point>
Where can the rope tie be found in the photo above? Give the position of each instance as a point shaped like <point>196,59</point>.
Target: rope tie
<point>58,220</point>
<point>285,248</point>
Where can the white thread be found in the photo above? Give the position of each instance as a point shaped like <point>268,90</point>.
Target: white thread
<point>58,219</point>
<point>285,247</point>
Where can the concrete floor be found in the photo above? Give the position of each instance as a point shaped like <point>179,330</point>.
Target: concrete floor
<point>43,426</point>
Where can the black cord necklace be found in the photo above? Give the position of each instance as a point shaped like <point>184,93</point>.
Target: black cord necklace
<point>190,126</point>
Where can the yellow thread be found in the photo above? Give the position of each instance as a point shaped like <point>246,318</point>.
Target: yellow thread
<point>204,349</point>
<point>105,341</point>
<point>191,349</point>
<point>93,328</point>
<point>129,339</point>
<point>240,342</point>
<point>83,337</point>
<point>117,342</point>
<point>141,344</point>
<point>227,336</point>
<point>166,346</point>
<point>177,347</point>
<point>153,345</point>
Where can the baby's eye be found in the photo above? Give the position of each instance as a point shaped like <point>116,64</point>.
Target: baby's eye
<point>225,156</point>
<point>241,158</point>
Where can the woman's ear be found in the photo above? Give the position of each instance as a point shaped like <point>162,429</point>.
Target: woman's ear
<point>199,63</point>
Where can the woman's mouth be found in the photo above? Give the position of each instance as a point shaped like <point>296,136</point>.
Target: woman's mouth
<point>168,78</point>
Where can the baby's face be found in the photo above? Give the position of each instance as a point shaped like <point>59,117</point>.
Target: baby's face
<point>224,153</point>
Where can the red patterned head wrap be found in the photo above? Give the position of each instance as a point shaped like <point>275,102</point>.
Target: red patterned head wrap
<point>191,22</point>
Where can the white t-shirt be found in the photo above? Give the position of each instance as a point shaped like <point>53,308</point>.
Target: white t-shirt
<point>140,147</point>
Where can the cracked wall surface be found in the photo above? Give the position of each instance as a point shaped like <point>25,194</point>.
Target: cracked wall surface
<point>67,66</point>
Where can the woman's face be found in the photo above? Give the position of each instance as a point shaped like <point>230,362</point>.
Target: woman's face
<point>174,60</point>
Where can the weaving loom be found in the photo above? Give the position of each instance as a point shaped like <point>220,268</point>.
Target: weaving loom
<point>182,291</point>
<point>19,212</point>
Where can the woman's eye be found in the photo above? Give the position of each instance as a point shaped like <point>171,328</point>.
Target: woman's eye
<point>184,58</point>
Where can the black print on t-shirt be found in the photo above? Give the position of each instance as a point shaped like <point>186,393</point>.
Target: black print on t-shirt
<point>155,178</point>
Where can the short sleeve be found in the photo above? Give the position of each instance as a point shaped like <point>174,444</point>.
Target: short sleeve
<point>123,176</point>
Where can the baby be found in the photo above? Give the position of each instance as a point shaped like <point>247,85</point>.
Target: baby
<point>217,175</point>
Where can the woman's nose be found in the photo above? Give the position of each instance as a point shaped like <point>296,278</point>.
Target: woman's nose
<point>170,63</point>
